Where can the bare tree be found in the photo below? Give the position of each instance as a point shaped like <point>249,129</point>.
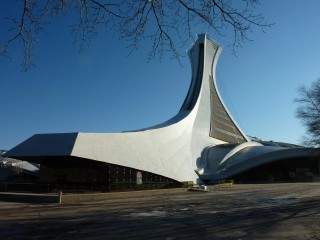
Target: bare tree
<point>159,21</point>
<point>309,112</point>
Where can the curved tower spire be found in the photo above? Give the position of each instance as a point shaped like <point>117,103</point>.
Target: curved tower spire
<point>172,149</point>
<point>204,55</point>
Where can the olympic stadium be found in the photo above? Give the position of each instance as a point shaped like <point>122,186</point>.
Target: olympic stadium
<point>202,144</point>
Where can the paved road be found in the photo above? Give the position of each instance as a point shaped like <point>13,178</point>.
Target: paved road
<point>270,211</point>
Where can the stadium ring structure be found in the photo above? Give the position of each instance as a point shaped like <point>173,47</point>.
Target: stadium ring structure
<point>202,144</point>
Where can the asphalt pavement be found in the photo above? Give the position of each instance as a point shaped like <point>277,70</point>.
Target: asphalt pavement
<point>245,211</point>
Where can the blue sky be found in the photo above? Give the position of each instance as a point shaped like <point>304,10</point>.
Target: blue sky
<point>102,89</point>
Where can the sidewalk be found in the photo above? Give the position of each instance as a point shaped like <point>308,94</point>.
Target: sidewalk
<point>87,197</point>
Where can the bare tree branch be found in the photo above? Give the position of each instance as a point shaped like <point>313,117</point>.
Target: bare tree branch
<point>160,22</point>
<point>308,112</point>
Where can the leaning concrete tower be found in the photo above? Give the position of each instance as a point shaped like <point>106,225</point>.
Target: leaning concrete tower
<point>202,142</point>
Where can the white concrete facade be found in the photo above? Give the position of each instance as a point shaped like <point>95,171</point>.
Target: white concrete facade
<point>180,149</point>
<point>172,148</point>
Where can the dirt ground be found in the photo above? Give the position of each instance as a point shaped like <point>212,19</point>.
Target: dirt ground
<point>255,211</point>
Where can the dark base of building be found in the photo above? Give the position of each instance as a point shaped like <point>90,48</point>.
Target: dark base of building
<point>287,170</point>
<point>79,175</point>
